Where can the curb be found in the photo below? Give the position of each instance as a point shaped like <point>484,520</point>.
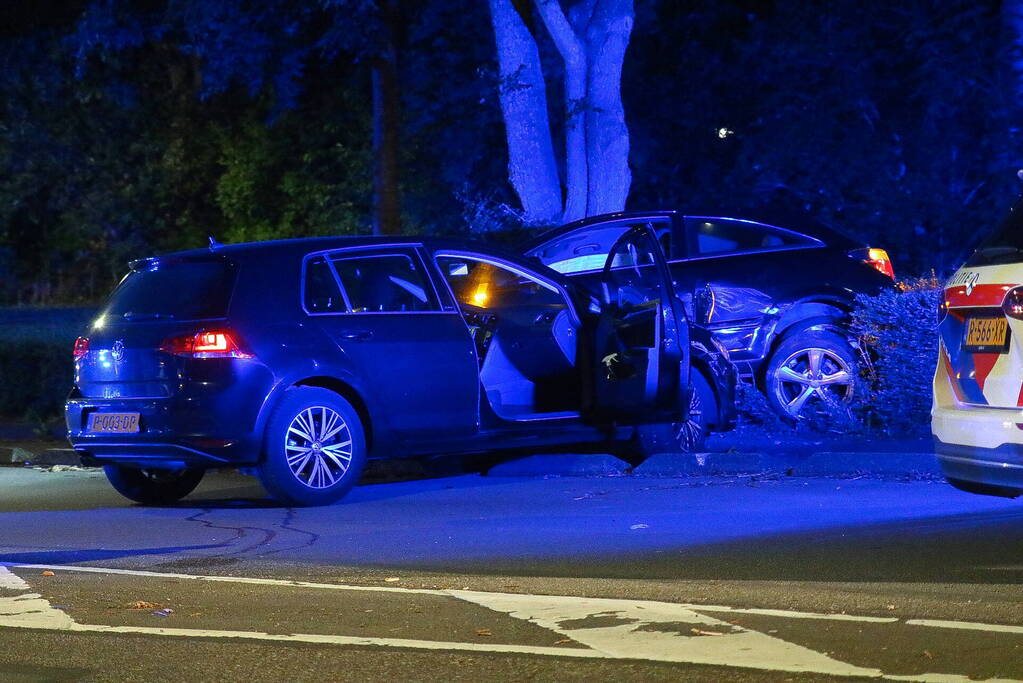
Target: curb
<point>51,456</point>
<point>562,465</point>
<point>817,464</point>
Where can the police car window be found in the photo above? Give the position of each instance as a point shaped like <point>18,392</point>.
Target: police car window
<point>586,249</point>
<point>723,236</point>
<point>374,283</point>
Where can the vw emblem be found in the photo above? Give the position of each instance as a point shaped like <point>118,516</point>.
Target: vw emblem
<point>117,350</point>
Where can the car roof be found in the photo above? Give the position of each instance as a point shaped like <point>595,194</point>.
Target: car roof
<point>786,220</point>
<point>305,245</point>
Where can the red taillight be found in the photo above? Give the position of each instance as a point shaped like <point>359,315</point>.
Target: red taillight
<point>205,344</point>
<point>878,258</point>
<point>81,348</point>
<point>1012,305</point>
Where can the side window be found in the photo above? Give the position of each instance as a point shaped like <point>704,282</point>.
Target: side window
<point>713,236</point>
<point>587,248</point>
<point>370,283</point>
<point>484,285</point>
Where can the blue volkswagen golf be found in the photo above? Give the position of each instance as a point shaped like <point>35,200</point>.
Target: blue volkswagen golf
<point>301,359</point>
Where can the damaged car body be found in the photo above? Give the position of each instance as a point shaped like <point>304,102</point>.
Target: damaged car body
<point>301,359</point>
<point>776,299</point>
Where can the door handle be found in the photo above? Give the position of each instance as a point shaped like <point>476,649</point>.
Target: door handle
<point>356,335</point>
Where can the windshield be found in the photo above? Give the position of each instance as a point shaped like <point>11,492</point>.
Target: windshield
<point>1005,244</point>
<point>173,290</point>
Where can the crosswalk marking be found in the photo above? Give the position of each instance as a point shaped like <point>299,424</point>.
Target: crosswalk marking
<point>596,628</point>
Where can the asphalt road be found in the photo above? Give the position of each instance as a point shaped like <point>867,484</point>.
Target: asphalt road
<point>474,577</point>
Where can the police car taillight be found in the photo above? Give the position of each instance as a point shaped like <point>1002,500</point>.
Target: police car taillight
<point>1012,305</point>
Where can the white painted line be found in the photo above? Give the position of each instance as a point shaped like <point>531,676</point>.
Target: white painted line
<point>231,579</point>
<point>965,625</point>
<point>11,581</point>
<point>789,614</point>
<point>609,628</point>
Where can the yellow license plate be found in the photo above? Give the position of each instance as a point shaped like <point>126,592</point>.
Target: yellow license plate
<point>987,332</point>
<point>114,423</point>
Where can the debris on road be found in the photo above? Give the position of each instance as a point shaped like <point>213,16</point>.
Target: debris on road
<point>47,573</point>
<point>166,612</point>
<point>142,604</point>
<point>484,632</point>
<point>392,579</point>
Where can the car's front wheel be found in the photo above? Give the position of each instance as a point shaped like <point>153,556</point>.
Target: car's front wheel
<point>315,448</point>
<point>811,372</point>
<point>686,436</point>
<point>153,486</point>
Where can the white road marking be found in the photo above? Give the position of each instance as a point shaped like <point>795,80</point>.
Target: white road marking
<point>609,628</point>
<point>11,581</point>
<point>644,630</point>
<point>965,625</point>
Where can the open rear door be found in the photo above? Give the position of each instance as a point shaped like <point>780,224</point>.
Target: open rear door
<point>641,340</point>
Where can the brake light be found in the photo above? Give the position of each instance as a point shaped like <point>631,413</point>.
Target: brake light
<point>878,258</point>
<point>81,348</point>
<point>1012,305</point>
<point>205,344</point>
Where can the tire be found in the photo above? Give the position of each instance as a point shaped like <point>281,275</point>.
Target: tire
<point>314,448</point>
<point>682,437</point>
<point>985,489</point>
<point>811,373</point>
<point>153,486</point>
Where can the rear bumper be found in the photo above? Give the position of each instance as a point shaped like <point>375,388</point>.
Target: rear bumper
<point>981,445</point>
<point>176,432</point>
<point>1002,466</point>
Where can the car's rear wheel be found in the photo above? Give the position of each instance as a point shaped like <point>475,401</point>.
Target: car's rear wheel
<point>687,436</point>
<point>315,448</point>
<point>985,489</point>
<point>153,486</point>
<point>812,372</point>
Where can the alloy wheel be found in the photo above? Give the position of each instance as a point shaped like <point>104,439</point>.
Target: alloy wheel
<point>813,376</point>
<point>318,447</point>
<point>689,433</point>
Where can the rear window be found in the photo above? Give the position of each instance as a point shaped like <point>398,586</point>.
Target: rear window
<point>1005,244</point>
<point>173,290</point>
<point>714,236</point>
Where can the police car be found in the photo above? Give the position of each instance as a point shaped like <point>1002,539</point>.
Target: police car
<point>977,412</point>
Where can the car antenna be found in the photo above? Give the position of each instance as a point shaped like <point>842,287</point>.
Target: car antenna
<point>214,244</point>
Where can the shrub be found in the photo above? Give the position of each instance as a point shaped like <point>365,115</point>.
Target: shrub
<point>36,371</point>
<point>898,337</point>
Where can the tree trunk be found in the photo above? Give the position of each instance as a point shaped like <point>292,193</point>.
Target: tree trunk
<point>607,137</point>
<point>386,131</point>
<point>523,94</point>
<point>573,54</point>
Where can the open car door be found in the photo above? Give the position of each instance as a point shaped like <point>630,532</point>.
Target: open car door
<point>641,338</point>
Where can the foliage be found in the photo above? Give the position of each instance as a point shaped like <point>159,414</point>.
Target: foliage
<point>898,335</point>
<point>35,360</point>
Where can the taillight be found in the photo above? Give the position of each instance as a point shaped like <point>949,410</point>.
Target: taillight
<point>81,348</point>
<point>205,344</point>
<point>1012,304</point>
<point>878,259</point>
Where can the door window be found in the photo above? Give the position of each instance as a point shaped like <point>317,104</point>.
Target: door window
<point>367,283</point>
<point>485,285</point>
<point>719,236</point>
<point>586,249</point>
